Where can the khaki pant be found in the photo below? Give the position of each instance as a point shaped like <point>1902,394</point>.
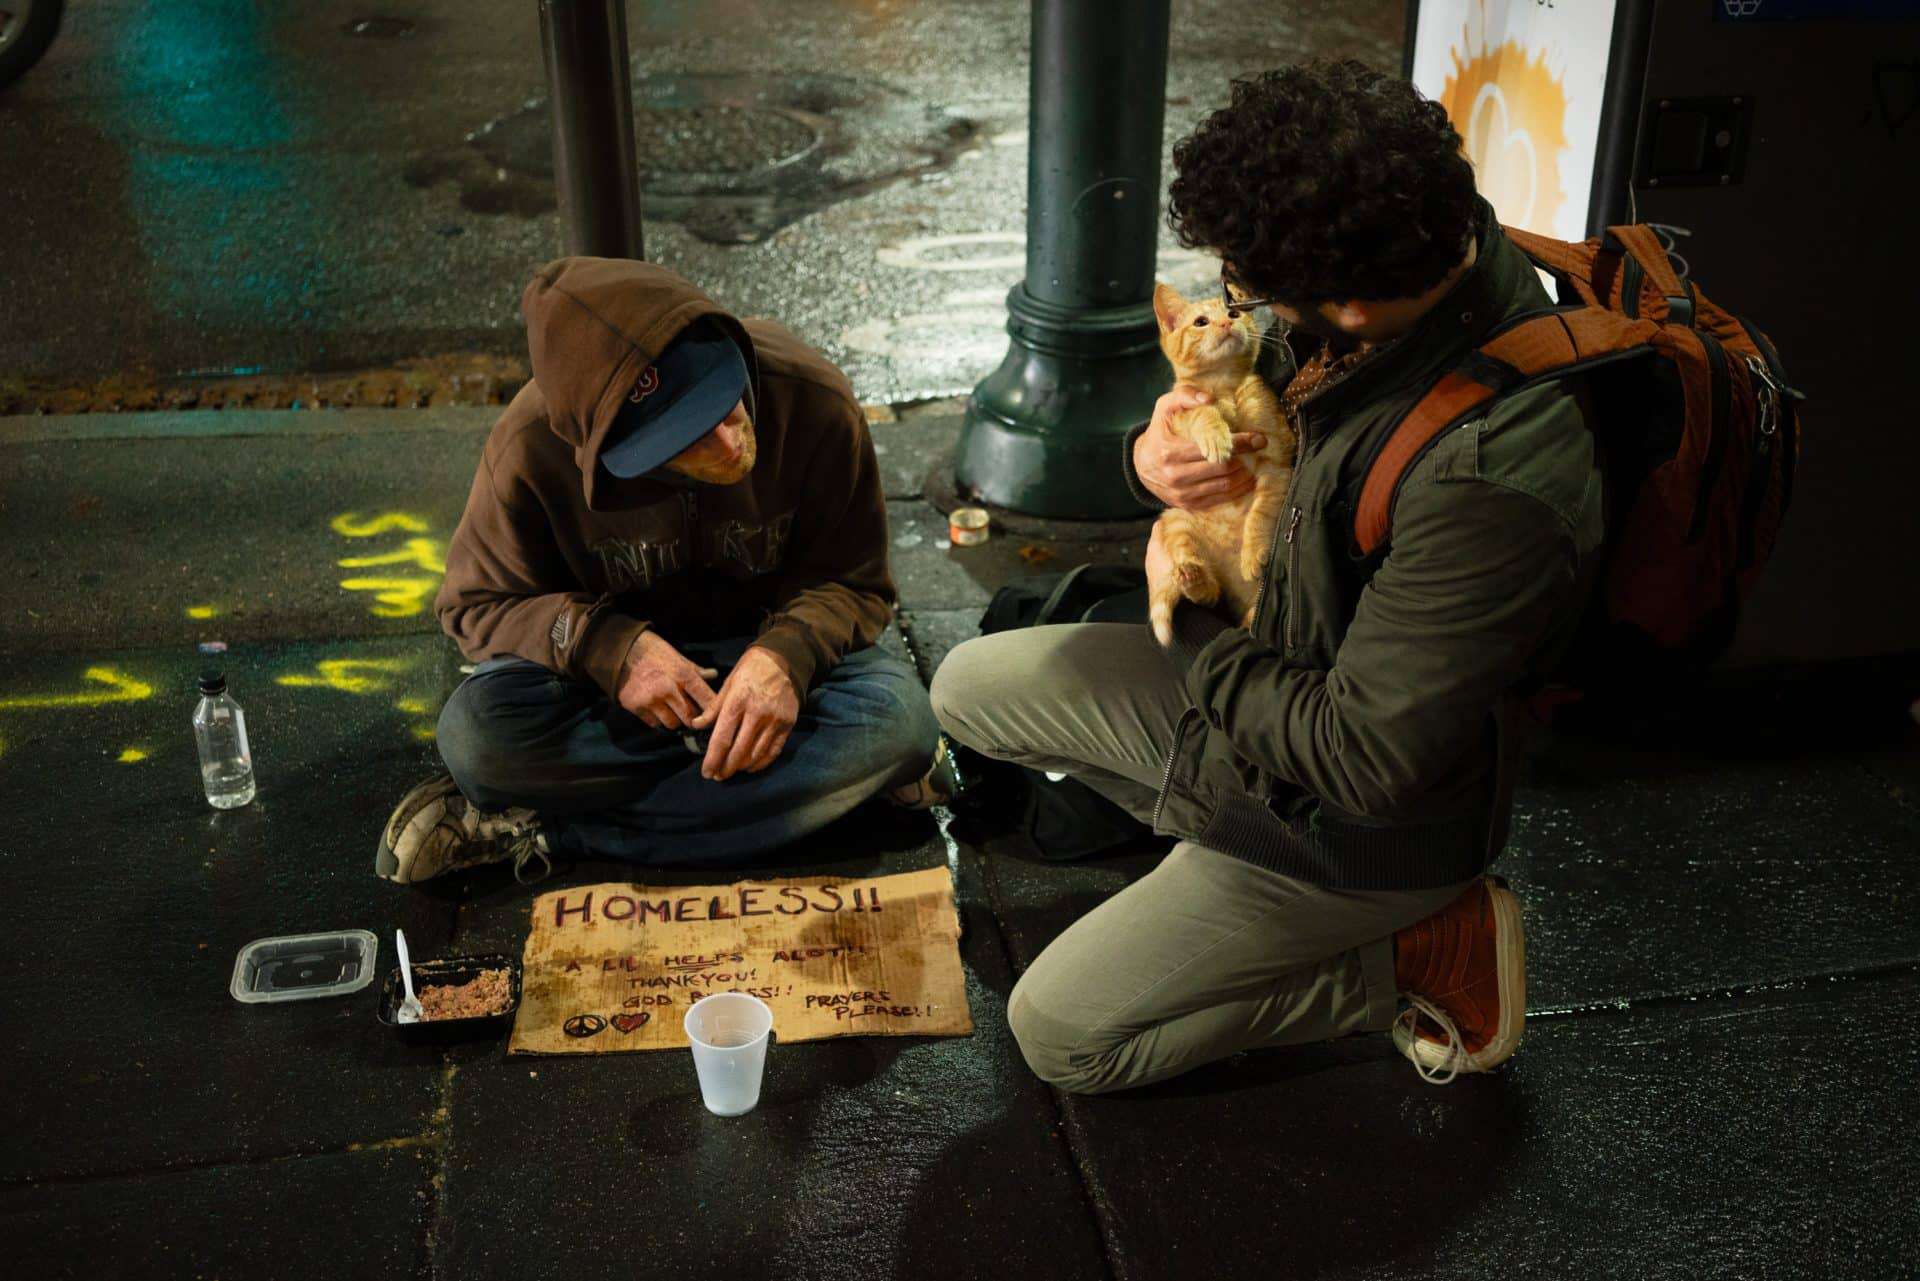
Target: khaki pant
<point>1205,956</point>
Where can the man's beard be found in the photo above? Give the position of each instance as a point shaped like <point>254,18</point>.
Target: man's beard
<point>1315,330</point>
<point>715,471</point>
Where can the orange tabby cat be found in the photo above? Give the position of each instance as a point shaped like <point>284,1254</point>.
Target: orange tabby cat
<point>1220,552</point>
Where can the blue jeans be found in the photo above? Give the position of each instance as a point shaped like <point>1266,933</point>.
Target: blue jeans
<point>603,783</point>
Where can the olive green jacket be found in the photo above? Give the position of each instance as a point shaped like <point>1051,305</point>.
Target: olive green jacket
<point>1362,734</point>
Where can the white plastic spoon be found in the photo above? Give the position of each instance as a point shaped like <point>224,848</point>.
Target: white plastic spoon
<point>409,1011</point>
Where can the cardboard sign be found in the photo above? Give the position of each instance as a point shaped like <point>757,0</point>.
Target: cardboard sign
<point>614,967</point>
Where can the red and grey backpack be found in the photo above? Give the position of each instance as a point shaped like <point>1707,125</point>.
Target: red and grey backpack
<point>1698,437</point>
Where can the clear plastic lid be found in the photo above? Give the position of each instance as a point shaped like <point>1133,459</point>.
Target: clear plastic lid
<point>300,967</point>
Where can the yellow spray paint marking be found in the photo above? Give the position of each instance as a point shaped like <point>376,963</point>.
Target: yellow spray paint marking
<point>202,611</point>
<point>133,754</point>
<point>423,732</point>
<point>340,674</point>
<point>413,706</point>
<point>120,688</point>
<point>352,525</point>
<point>423,552</point>
<point>397,597</point>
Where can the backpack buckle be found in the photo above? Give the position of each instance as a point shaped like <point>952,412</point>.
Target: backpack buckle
<point>1766,396</point>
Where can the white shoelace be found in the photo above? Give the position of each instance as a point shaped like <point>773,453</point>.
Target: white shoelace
<point>1456,1045</point>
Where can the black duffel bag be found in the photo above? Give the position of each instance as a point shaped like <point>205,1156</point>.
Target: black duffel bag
<point>1063,817</point>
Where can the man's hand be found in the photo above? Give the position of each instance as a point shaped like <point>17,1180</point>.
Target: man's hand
<point>1172,468</point>
<point>752,717</point>
<point>661,687</point>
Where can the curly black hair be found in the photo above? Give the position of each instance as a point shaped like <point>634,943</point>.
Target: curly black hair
<point>1325,182</point>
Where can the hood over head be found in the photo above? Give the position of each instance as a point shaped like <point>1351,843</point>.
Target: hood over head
<point>593,327</point>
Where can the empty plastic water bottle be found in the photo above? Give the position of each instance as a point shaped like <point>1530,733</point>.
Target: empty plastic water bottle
<point>220,731</point>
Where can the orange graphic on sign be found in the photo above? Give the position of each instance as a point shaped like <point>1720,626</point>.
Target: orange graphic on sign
<point>1512,112</point>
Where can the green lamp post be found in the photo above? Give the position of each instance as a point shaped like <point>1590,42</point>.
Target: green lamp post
<point>1042,433</point>
<point>595,171</point>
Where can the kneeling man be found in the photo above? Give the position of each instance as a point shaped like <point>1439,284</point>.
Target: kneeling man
<point>671,573</point>
<point>1340,773</point>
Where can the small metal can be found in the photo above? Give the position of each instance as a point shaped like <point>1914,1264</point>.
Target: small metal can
<point>968,526</point>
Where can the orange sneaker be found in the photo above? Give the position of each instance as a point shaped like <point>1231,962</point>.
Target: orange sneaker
<point>1463,971</point>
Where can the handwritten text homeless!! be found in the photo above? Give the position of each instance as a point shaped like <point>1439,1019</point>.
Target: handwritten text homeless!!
<point>737,904</point>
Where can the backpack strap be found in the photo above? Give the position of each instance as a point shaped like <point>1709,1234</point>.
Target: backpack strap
<point>1641,244</point>
<point>1571,265</point>
<point>1612,270</point>
<point>1645,262</point>
<point>1528,350</point>
<point>1556,256</point>
<point>1050,607</point>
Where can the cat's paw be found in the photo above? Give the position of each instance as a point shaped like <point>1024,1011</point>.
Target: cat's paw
<point>1197,582</point>
<point>1246,620</point>
<point>1252,562</point>
<point>1213,437</point>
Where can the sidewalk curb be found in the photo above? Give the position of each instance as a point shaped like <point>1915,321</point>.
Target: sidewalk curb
<point>164,424</point>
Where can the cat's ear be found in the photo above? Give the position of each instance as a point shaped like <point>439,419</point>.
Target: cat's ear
<point>1167,305</point>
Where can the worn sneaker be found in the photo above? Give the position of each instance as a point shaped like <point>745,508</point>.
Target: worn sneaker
<point>936,787</point>
<point>1463,971</point>
<point>435,829</point>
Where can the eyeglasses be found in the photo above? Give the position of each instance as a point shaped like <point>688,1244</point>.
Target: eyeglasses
<point>1231,300</point>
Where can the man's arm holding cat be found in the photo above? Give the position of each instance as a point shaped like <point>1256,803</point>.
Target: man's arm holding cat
<point>1165,470</point>
<point>1479,576</point>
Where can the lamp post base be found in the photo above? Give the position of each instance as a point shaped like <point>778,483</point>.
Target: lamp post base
<point>1043,432</point>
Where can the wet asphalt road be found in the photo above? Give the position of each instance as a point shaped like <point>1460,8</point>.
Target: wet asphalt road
<point>221,186</point>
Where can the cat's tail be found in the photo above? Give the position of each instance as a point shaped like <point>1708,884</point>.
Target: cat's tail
<point>1160,614</point>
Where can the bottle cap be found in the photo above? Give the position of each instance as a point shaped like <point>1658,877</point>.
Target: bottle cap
<point>213,682</point>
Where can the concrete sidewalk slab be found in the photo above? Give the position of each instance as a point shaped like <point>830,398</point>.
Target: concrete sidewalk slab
<point>1641,877</point>
<point>131,898</point>
<point>867,1155</point>
<point>1744,1138</point>
<point>354,1214</point>
<point>291,534</point>
<point>935,632</point>
<point>1645,874</point>
<point>231,424</point>
<point>357,505</point>
<point>907,447</point>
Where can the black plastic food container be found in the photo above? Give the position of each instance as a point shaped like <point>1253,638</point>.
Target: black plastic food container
<point>441,973</point>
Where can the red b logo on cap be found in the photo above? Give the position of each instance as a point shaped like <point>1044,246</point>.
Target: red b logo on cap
<point>648,383</point>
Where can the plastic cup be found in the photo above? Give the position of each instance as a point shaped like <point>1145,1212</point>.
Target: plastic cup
<point>729,1035</point>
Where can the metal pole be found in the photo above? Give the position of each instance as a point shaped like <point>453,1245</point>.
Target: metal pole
<point>594,169</point>
<point>1042,433</point>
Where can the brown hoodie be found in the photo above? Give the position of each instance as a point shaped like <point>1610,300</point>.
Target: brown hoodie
<point>558,562</point>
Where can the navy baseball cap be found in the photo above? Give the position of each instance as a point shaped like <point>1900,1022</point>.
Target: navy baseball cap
<point>684,394</point>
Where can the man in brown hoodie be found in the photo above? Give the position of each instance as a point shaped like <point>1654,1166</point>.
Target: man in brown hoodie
<point>671,573</point>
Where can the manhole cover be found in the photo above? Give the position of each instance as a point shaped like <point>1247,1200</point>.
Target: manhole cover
<point>732,157</point>
<point>719,140</point>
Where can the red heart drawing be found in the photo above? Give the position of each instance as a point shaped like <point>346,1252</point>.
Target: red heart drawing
<point>628,1022</point>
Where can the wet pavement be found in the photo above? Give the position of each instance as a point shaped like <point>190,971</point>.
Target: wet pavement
<point>337,203</point>
<point>1717,1081</point>
<point>203,188</point>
